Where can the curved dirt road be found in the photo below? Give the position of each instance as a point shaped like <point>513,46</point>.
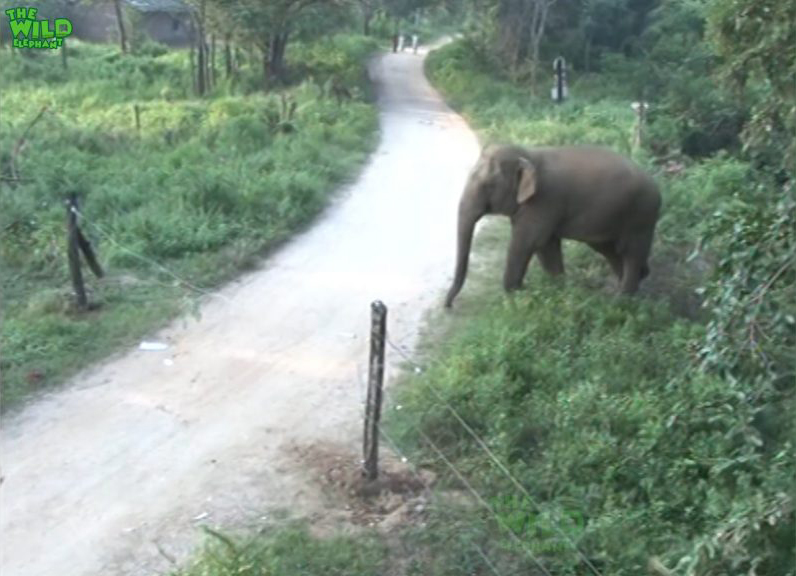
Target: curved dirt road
<point>136,450</point>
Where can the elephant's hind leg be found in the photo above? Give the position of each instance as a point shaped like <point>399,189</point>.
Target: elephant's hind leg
<point>631,275</point>
<point>635,267</point>
<point>551,258</point>
<point>608,250</point>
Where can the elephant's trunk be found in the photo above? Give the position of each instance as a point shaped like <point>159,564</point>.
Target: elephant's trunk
<point>467,221</point>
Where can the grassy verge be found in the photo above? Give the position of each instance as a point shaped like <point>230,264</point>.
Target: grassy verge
<point>288,551</point>
<point>204,187</point>
<point>631,459</point>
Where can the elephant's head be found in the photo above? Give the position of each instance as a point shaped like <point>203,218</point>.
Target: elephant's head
<point>501,181</point>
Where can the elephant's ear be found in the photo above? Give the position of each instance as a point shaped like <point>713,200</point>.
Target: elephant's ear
<point>526,177</point>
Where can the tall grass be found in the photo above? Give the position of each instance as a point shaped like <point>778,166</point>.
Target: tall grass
<point>204,187</point>
<point>288,551</point>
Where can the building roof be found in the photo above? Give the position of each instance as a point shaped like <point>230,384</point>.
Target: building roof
<point>159,5</point>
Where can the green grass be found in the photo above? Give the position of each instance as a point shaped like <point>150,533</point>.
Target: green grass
<point>629,453</point>
<point>204,188</point>
<point>288,551</point>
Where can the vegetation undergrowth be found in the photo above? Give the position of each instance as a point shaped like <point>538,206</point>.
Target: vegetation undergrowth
<point>647,437</point>
<point>287,551</point>
<point>203,187</point>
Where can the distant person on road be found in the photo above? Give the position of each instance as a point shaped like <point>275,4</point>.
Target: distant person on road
<point>401,43</point>
<point>414,43</point>
<point>395,42</point>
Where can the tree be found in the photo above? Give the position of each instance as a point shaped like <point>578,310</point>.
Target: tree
<point>757,39</point>
<point>270,26</point>
<point>117,8</point>
<point>402,9</point>
<point>516,29</point>
<point>368,9</point>
<point>207,16</point>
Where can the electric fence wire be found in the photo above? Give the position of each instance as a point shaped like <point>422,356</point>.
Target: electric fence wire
<point>109,237</point>
<point>396,449</point>
<point>417,368</point>
<point>482,444</point>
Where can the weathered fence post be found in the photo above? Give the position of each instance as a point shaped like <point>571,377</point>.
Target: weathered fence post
<point>76,243</point>
<point>137,113</point>
<point>378,333</point>
<point>88,253</point>
<point>72,250</point>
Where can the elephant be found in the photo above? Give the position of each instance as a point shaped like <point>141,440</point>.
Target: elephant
<point>584,193</point>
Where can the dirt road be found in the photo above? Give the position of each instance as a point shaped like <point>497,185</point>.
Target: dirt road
<point>135,452</point>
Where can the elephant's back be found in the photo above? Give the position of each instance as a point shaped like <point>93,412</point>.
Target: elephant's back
<point>605,192</point>
<point>596,166</point>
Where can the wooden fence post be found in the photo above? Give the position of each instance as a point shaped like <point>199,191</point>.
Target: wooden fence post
<point>88,253</point>
<point>137,113</point>
<point>378,333</point>
<point>76,243</point>
<point>74,255</point>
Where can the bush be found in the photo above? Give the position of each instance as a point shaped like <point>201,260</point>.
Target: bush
<point>644,440</point>
<point>753,289</point>
<point>288,551</point>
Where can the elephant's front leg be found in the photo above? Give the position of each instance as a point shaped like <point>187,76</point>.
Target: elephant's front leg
<point>551,258</point>
<point>519,257</point>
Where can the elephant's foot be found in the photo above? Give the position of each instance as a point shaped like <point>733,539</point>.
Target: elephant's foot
<point>629,284</point>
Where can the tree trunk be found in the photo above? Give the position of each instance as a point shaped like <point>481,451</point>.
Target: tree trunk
<point>587,55</point>
<point>538,22</point>
<point>276,57</point>
<point>227,56</point>
<point>117,6</point>
<point>201,66</point>
<point>266,70</point>
<point>367,16</point>
<point>213,60</point>
<point>193,65</point>
<point>201,51</point>
<point>516,49</point>
<point>237,57</point>
<point>208,80</point>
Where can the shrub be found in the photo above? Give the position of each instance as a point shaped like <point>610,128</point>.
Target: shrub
<point>642,439</point>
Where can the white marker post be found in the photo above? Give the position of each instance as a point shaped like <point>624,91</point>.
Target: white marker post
<point>560,92</point>
<point>640,108</point>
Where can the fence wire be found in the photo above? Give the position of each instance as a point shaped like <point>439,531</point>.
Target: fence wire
<point>396,449</point>
<point>102,232</point>
<point>418,369</point>
<point>483,446</point>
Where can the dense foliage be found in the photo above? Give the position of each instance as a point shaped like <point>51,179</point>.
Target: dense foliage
<point>648,441</point>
